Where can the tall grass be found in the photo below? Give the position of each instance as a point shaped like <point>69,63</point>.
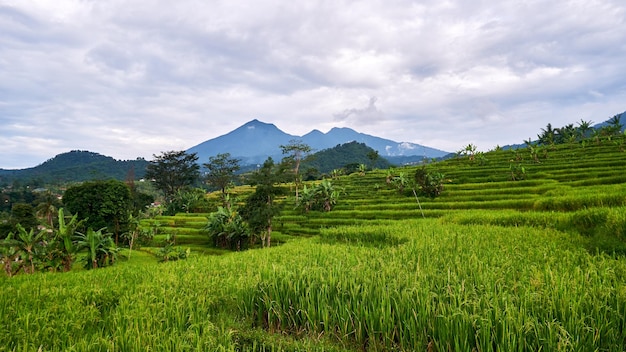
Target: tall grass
<point>451,288</point>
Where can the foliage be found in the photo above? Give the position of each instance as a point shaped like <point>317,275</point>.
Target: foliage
<point>322,196</point>
<point>101,204</point>
<point>344,154</point>
<point>23,214</point>
<point>77,166</point>
<point>260,207</point>
<point>65,237</point>
<point>469,151</point>
<point>221,171</point>
<point>188,200</point>
<point>227,229</point>
<point>170,252</point>
<point>172,171</point>
<point>101,250</point>
<point>47,207</point>
<point>27,244</point>
<point>295,152</point>
<point>429,183</point>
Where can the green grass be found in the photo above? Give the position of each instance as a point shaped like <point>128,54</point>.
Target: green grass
<point>491,265</point>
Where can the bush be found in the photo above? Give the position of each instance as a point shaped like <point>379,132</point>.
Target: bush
<point>227,229</point>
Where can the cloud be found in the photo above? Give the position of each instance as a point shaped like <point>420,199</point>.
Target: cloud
<point>130,79</point>
<point>367,115</point>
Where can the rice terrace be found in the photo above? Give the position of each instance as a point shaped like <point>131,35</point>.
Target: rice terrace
<point>520,249</point>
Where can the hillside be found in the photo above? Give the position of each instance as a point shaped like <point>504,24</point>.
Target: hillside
<point>344,155</point>
<point>77,166</point>
<point>519,253</point>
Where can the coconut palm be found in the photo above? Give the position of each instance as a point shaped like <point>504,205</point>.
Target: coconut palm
<point>615,125</point>
<point>47,208</point>
<point>547,135</point>
<point>583,128</point>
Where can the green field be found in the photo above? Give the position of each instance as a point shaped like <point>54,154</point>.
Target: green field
<point>535,264</point>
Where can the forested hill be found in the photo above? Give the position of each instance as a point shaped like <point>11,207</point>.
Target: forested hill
<point>77,166</point>
<point>343,156</point>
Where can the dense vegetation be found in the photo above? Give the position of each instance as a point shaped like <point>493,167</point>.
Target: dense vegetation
<point>517,250</point>
<point>349,156</point>
<point>76,166</point>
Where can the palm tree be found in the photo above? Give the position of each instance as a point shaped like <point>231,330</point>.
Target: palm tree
<point>615,124</point>
<point>470,151</point>
<point>565,134</point>
<point>47,209</point>
<point>547,135</point>
<point>583,128</point>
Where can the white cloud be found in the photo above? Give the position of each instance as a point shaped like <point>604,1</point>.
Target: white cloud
<point>130,79</point>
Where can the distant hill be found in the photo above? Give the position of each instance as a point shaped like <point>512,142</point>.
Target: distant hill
<point>342,155</point>
<point>255,141</point>
<point>77,166</point>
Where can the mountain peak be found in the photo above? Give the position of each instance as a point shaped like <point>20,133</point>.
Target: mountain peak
<point>254,141</point>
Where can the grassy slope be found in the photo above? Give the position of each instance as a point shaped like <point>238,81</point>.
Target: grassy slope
<point>377,278</point>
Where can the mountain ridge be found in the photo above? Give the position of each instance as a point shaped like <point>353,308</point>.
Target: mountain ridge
<point>255,140</point>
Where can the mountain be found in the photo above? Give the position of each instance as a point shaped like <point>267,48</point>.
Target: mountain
<point>76,166</point>
<point>252,143</point>
<point>255,141</point>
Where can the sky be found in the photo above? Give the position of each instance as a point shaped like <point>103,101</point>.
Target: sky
<point>131,79</point>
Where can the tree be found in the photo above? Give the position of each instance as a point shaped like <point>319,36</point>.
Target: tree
<point>565,134</point>
<point>101,204</point>
<point>469,151</point>
<point>47,207</point>
<point>23,214</point>
<point>260,207</point>
<point>429,183</point>
<point>583,128</point>
<point>615,125</point>
<point>547,135</point>
<point>221,171</point>
<point>173,171</point>
<point>373,156</point>
<point>295,150</point>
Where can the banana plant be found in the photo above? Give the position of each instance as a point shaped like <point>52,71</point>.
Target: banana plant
<point>10,256</point>
<point>101,249</point>
<point>66,236</point>
<point>27,241</point>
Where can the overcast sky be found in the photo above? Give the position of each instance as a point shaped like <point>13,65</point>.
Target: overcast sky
<point>130,79</point>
